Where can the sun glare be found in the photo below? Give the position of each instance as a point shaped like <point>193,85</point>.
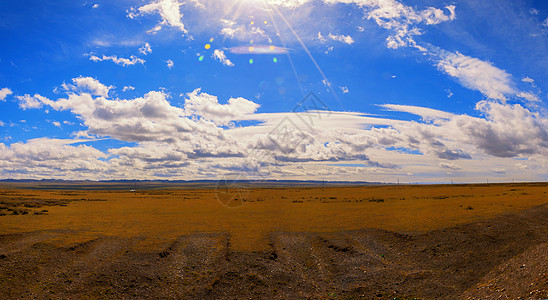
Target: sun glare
<point>256,2</point>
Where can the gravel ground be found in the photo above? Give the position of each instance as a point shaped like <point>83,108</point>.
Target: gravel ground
<point>502,258</point>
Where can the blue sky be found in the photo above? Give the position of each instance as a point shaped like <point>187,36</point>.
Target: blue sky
<point>368,90</point>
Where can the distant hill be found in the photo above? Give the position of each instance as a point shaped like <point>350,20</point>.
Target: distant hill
<point>174,184</point>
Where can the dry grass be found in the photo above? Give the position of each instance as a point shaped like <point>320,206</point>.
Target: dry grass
<point>160,216</point>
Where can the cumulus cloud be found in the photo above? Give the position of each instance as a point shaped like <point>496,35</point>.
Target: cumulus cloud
<point>148,118</point>
<point>169,11</point>
<point>5,92</point>
<point>89,85</point>
<point>128,88</point>
<point>507,130</point>
<point>230,28</point>
<point>205,137</point>
<point>341,38</point>
<point>119,60</point>
<point>145,49</point>
<point>170,63</point>
<point>27,101</point>
<point>528,80</point>
<point>220,56</point>
<point>50,158</point>
<point>335,37</point>
<point>208,107</point>
<point>400,19</point>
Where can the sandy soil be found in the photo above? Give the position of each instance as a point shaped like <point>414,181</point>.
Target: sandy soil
<point>504,257</point>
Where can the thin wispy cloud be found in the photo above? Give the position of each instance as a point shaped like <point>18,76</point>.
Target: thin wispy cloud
<point>124,62</point>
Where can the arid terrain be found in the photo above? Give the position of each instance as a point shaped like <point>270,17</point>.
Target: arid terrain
<point>372,242</point>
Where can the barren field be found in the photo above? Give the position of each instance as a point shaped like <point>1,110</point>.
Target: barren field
<point>377,242</point>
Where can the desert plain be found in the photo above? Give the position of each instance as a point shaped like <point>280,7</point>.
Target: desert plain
<point>480,241</point>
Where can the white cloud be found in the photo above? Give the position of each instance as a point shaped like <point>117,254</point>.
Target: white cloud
<point>528,80</point>
<point>28,101</point>
<point>2,123</point>
<point>507,130</point>
<point>145,49</point>
<point>243,32</point>
<point>425,113</point>
<point>128,88</point>
<point>450,166</point>
<point>111,41</point>
<point>230,28</point>
<point>5,92</point>
<point>208,107</point>
<point>292,4</point>
<point>476,74</point>
<point>119,61</point>
<point>341,38</point>
<point>533,11</point>
<point>545,23</point>
<point>335,37</point>
<point>170,63</point>
<point>95,5</point>
<point>344,89</point>
<point>321,38</point>
<point>528,96</point>
<point>499,170</point>
<point>205,138</point>
<point>56,123</point>
<point>169,11</point>
<point>148,118</point>
<point>50,158</point>
<point>220,56</point>
<point>88,85</point>
<point>400,19</point>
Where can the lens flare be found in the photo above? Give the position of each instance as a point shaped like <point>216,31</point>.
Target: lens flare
<point>259,49</point>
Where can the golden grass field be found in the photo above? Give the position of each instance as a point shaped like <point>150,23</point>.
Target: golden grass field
<point>160,216</point>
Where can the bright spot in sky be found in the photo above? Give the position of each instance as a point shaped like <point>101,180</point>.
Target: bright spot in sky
<point>259,49</point>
